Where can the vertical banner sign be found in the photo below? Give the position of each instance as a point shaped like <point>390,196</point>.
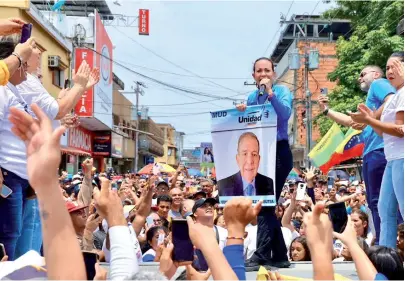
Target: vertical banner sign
<point>84,107</point>
<point>245,153</point>
<point>207,155</point>
<point>103,60</point>
<point>143,22</point>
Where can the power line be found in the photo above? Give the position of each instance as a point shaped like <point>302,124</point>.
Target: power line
<point>167,84</point>
<point>274,37</point>
<point>176,65</point>
<point>179,74</point>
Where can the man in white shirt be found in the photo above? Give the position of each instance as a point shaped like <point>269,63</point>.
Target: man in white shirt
<point>13,158</point>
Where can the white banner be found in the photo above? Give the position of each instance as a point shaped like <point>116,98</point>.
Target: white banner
<point>245,153</point>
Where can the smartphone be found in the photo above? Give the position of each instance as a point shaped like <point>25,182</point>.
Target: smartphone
<point>2,251</point>
<point>338,216</point>
<point>5,191</point>
<point>301,191</point>
<point>90,259</point>
<point>200,264</point>
<point>26,32</point>
<point>161,239</point>
<point>114,186</point>
<point>183,248</point>
<point>324,91</point>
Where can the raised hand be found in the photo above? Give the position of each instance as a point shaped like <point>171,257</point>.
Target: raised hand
<point>193,274</point>
<point>241,107</point>
<point>94,78</point>
<point>25,49</point>
<point>81,77</point>
<point>10,26</point>
<point>109,204</point>
<point>200,235</point>
<point>239,212</point>
<point>398,69</point>
<point>43,145</point>
<point>323,102</point>
<point>362,115</point>
<point>318,229</point>
<point>310,174</point>
<point>349,235</point>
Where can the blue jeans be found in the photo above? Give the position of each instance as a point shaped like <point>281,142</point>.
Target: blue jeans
<point>392,194</point>
<point>12,211</point>
<point>31,233</point>
<point>374,164</point>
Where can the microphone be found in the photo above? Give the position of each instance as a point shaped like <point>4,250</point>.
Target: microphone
<point>262,89</point>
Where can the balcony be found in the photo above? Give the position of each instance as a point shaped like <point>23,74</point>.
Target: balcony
<point>148,146</point>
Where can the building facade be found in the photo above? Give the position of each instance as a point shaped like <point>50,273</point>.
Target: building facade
<point>321,35</point>
<point>170,155</point>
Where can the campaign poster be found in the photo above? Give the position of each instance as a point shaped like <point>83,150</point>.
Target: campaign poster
<point>245,153</point>
<point>207,155</point>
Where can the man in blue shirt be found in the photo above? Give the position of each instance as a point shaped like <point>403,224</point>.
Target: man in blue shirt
<point>378,92</point>
<point>271,249</point>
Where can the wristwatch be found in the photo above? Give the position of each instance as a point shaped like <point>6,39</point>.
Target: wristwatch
<point>325,112</point>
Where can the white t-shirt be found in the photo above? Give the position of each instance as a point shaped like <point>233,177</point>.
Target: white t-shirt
<point>223,233</point>
<point>13,155</point>
<point>393,146</point>
<point>12,150</point>
<point>250,241</point>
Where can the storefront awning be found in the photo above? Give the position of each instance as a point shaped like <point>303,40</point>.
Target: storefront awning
<point>74,151</point>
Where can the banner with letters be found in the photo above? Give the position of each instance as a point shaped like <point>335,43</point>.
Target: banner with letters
<point>245,153</point>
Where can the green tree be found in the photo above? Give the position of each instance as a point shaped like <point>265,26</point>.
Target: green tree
<point>373,40</point>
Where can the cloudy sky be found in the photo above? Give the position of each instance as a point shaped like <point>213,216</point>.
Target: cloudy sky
<point>207,47</point>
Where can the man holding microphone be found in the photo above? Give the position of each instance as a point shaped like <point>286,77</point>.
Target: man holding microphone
<point>271,249</point>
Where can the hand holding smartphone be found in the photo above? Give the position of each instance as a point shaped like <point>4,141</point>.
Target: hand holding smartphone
<point>338,216</point>
<point>183,247</point>
<point>26,32</point>
<point>301,191</point>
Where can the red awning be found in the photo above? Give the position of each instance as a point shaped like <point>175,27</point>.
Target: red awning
<point>73,151</point>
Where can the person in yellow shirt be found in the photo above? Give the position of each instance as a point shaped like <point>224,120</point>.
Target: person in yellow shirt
<point>21,53</point>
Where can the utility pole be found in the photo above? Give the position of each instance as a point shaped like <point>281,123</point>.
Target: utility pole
<point>138,91</point>
<point>311,62</point>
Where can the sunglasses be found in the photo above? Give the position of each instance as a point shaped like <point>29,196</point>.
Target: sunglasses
<point>365,73</point>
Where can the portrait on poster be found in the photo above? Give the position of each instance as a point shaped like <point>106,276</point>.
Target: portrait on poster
<point>245,145</point>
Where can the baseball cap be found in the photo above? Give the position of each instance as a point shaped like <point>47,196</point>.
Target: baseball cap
<point>72,207</point>
<point>76,182</point>
<point>200,193</point>
<point>199,203</point>
<point>76,177</point>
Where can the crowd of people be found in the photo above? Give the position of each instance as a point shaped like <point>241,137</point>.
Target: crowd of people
<point>127,220</point>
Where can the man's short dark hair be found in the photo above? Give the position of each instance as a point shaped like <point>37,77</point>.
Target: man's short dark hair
<point>164,198</point>
<point>251,135</point>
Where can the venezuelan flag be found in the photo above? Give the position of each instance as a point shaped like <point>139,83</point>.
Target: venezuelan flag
<point>326,147</point>
<point>351,147</point>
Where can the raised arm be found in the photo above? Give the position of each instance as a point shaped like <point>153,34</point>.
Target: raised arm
<point>338,117</point>
<point>84,79</point>
<point>43,157</point>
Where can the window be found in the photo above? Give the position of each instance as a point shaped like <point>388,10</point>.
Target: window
<point>58,78</point>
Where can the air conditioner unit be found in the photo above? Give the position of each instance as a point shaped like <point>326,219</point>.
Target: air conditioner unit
<point>53,61</point>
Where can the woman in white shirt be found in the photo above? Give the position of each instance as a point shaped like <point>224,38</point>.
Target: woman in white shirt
<point>391,127</point>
